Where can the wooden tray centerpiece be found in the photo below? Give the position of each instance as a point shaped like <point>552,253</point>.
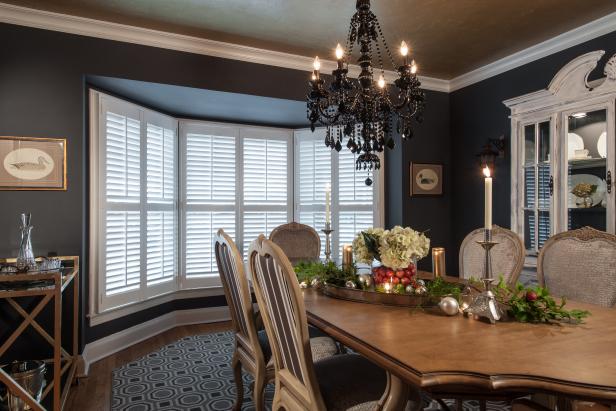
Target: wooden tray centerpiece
<point>349,284</point>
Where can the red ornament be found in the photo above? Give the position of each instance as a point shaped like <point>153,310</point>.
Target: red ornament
<point>531,296</point>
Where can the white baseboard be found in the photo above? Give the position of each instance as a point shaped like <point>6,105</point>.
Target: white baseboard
<point>99,349</point>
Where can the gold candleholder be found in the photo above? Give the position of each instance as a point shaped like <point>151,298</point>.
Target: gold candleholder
<point>347,255</point>
<point>438,262</point>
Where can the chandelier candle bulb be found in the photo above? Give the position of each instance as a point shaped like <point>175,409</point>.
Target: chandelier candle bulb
<point>382,81</point>
<point>413,67</point>
<point>488,198</point>
<point>404,49</point>
<point>339,52</point>
<point>316,64</point>
<point>347,255</point>
<point>438,262</point>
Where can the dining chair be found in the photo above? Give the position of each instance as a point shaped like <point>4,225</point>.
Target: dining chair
<point>507,256</point>
<point>341,382</point>
<point>580,265</point>
<point>252,349</point>
<point>299,242</point>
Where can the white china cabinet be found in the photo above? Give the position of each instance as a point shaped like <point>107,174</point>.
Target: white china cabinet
<point>562,140</point>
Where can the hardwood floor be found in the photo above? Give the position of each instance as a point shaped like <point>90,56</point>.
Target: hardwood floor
<point>93,393</point>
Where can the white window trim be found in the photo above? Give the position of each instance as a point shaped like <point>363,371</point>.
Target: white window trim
<point>210,285</point>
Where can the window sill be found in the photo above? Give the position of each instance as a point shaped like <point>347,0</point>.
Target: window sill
<point>119,312</point>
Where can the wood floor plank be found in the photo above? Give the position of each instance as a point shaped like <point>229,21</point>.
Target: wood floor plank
<point>93,393</point>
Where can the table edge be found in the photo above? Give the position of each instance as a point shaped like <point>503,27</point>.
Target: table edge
<point>443,379</point>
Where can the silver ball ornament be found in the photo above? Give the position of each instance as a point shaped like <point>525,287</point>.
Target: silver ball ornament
<point>303,284</point>
<point>316,283</point>
<point>421,290</point>
<point>365,280</point>
<point>449,305</point>
<point>421,282</point>
<point>409,289</point>
<point>349,284</point>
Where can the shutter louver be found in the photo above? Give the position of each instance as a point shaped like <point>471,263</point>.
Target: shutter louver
<point>316,220</point>
<point>201,227</point>
<point>162,248</point>
<point>352,187</point>
<point>265,171</point>
<point>161,164</point>
<point>258,222</point>
<point>210,169</point>
<point>122,251</point>
<point>122,174</point>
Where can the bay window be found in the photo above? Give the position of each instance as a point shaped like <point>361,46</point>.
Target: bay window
<point>160,189</point>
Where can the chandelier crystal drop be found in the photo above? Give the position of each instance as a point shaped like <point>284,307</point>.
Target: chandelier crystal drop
<point>363,110</point>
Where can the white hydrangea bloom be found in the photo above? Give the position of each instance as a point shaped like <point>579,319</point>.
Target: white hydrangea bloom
<point>399,246</point>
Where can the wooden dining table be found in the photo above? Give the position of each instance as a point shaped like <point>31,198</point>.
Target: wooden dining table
<point>422,349</point>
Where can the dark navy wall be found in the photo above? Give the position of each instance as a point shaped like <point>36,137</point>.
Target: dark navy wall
<point>478,113</point>
<point>42,78</point>
<point>44,93</point>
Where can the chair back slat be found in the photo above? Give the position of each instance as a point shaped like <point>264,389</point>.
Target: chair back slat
<point>580,265</point>
<point>282,307</point>
<point>235,285</point>
<point>507,256</point>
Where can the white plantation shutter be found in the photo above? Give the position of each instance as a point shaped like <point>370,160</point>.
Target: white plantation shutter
<point>313,168</point>
<point>209,196</point>
<point>122,252</point>
<point>137,218</point>
<point>122,157</point>
<point>267,187</point>
<point>355,206</point>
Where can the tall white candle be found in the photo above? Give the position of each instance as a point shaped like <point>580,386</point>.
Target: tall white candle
<point>488,199</point>
<point>328,191</point>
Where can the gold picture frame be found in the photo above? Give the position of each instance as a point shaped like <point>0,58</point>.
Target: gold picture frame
<point>32,163</point>
<point>426,179</point>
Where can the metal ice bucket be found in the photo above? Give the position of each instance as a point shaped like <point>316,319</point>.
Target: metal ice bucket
<point>31,376</point>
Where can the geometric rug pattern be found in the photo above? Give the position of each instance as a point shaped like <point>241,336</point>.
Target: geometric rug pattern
<point>194,374</point>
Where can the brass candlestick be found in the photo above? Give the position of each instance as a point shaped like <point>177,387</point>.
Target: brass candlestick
<point>485,304</point>
<point>328,245</point>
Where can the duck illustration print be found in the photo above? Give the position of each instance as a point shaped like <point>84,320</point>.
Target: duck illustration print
<point>32,163</point>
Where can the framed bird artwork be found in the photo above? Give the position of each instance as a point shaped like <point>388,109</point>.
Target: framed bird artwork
<point>29,163</point>
<point>426,179</point>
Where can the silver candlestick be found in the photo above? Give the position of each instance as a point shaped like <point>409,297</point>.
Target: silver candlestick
<point>485,304</point>
<point>328,245</point>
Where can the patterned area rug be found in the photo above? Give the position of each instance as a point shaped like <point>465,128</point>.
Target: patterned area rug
<point>194,374</point>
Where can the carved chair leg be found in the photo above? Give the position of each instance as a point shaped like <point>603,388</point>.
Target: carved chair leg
<point>239,382</point>
<point>459,404</point>
<point>258,394</point>
<point>483,405</point>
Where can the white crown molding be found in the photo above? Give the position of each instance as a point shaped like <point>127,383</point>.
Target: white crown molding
<point>589,31</point>
<point>104,347</point>
<point>41,19</point>
<point>46,20</point>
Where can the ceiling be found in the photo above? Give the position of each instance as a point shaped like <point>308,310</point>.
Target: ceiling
<point>447,37</point>
<point>194,103</point>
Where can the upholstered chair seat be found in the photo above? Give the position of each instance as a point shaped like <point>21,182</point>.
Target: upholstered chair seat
<point>252,349</point>
<point>299,242</point>
<point>342,382</point>
<point>340,391</point>
<point>507,256</point>
<point>321,345</point>
<point>580,265</point>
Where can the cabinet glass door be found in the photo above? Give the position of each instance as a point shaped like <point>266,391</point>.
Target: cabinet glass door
<point>586,169</point>
<point>537,185</point>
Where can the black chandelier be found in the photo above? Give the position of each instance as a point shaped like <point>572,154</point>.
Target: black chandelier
<point>363,109</point>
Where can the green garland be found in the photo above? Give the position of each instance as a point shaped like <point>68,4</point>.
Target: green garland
<point>328,272</point>
<point>535,305</point>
